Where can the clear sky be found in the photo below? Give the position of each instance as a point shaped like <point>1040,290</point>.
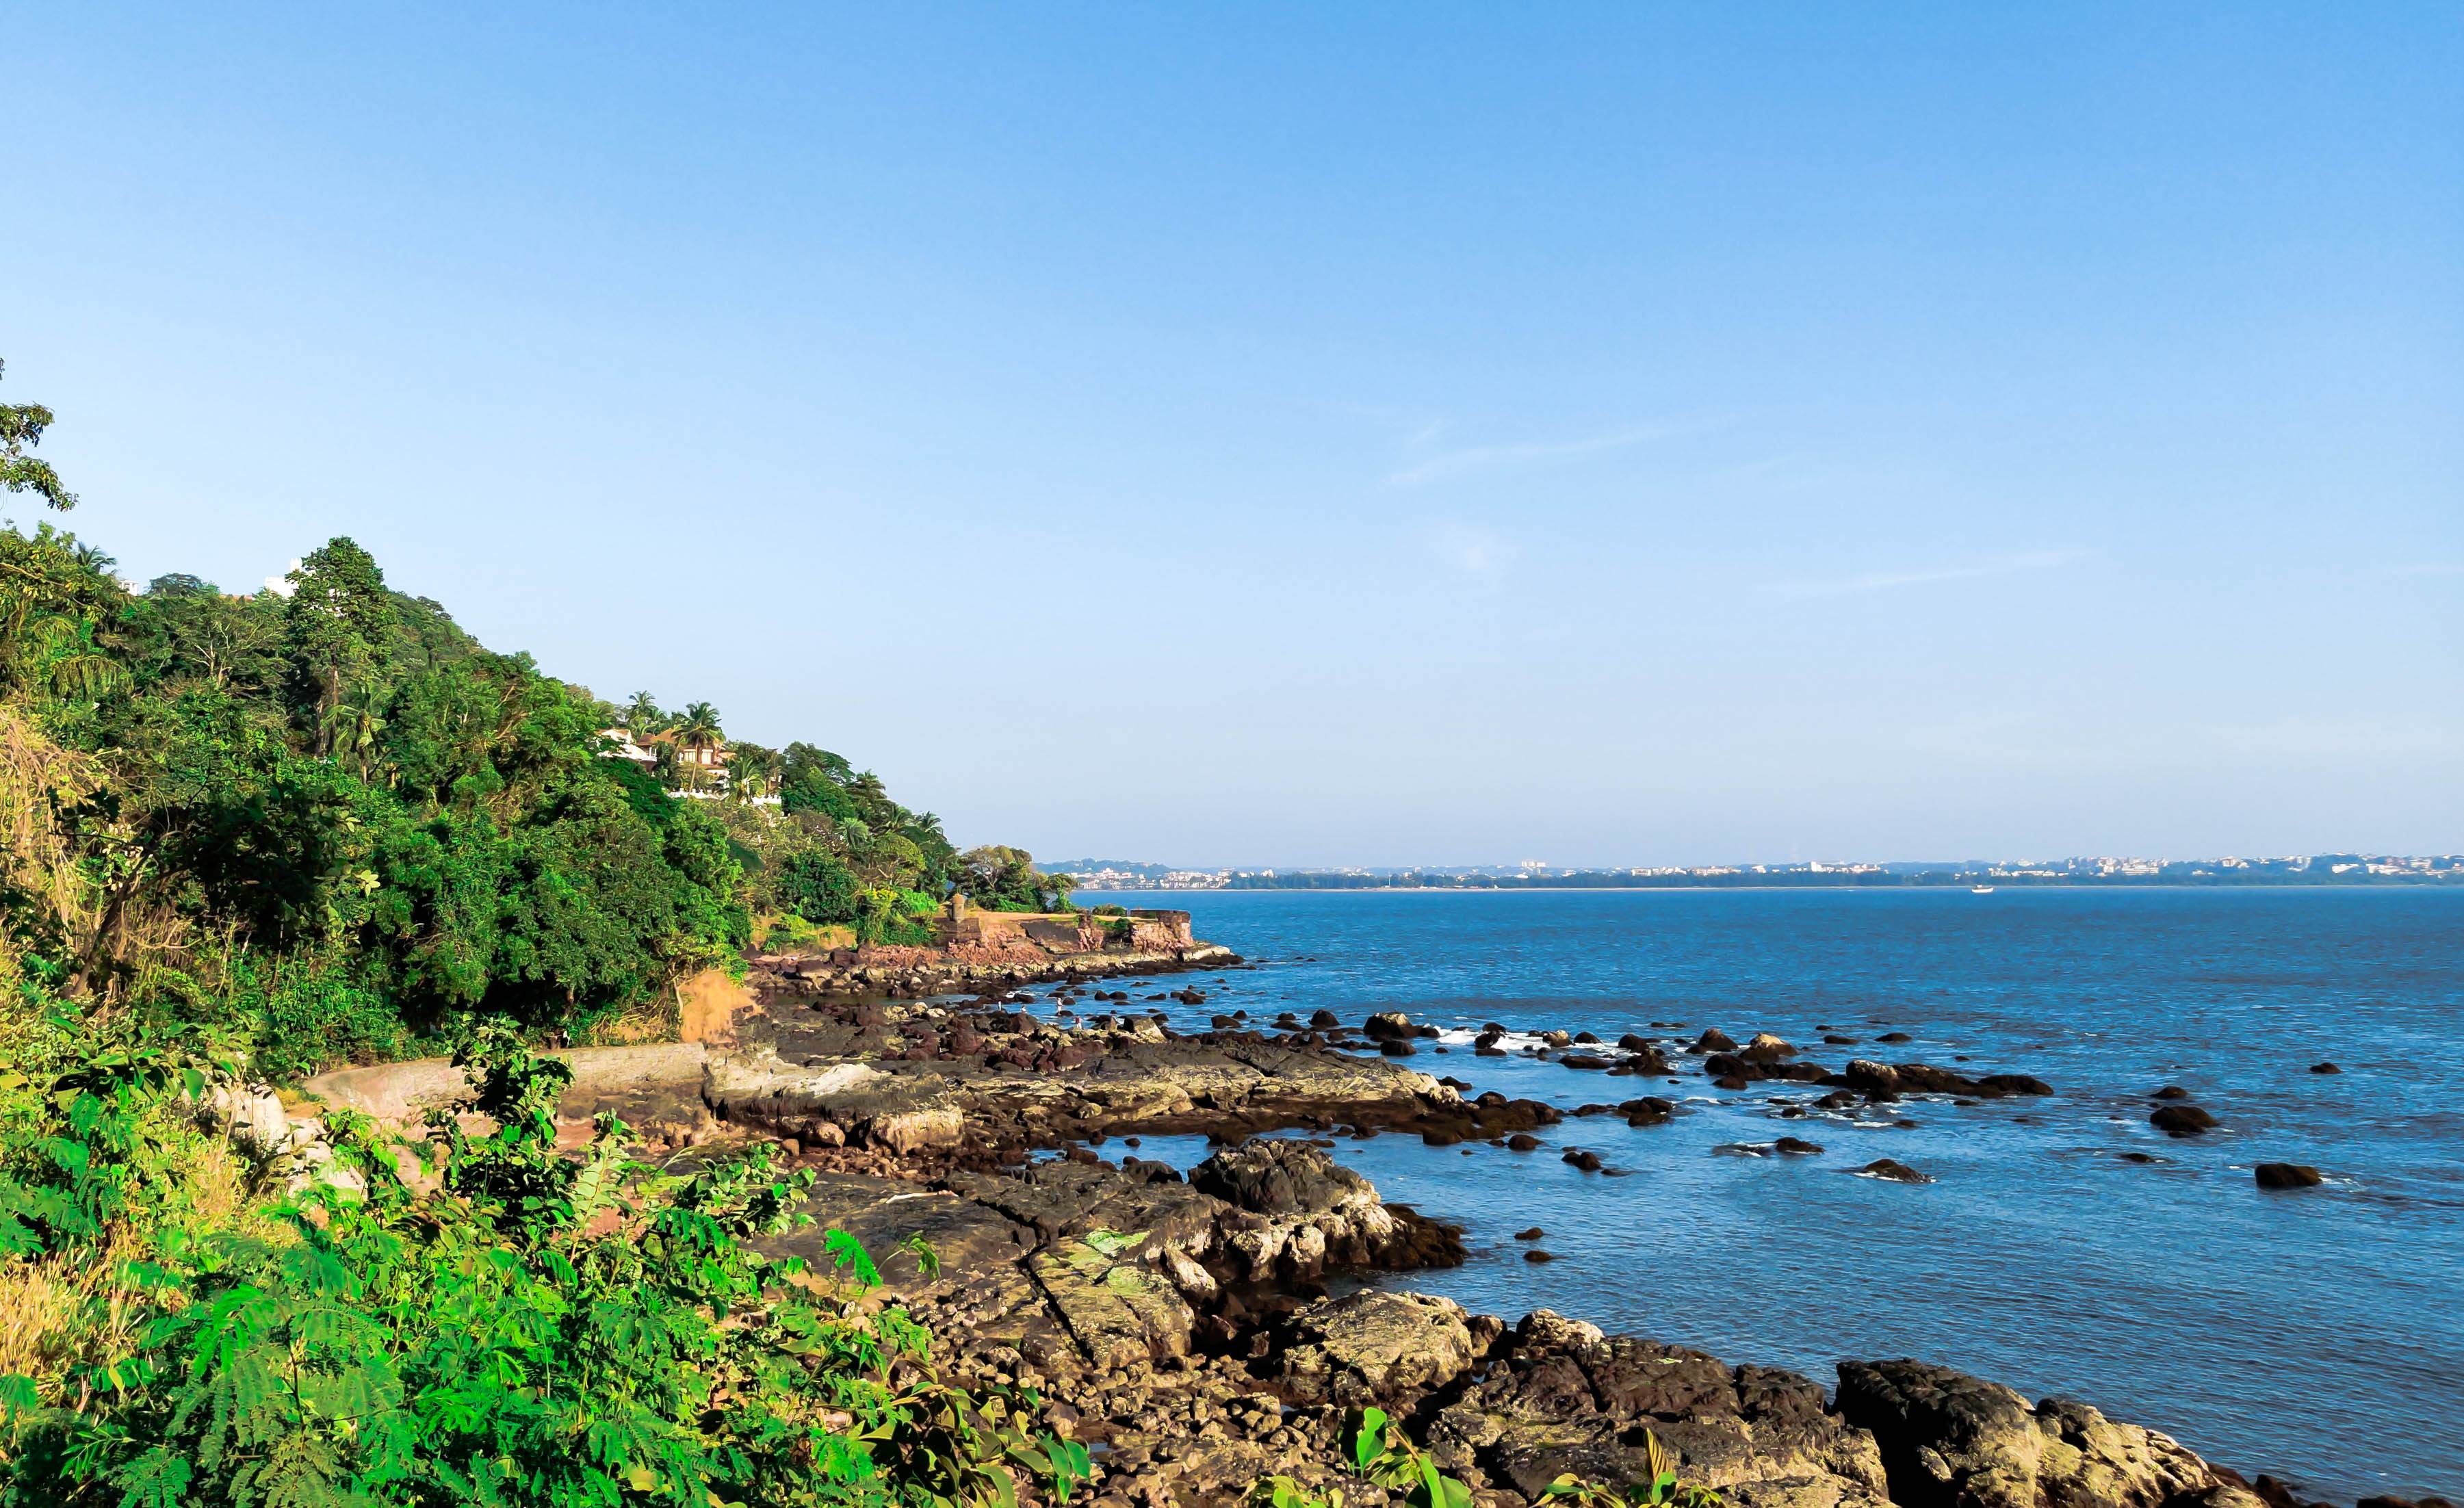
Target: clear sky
<point>1266,434</point>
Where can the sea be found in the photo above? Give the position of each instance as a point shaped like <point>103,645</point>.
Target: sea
<point>2317,1335</point>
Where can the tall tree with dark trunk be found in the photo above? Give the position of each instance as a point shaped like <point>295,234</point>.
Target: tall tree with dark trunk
<point>339,629</point>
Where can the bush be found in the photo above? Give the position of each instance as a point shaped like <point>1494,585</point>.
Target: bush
<point>533,1330</point>
<point>818,887</point>
<point>307,1019</point>
<point>894,918</point>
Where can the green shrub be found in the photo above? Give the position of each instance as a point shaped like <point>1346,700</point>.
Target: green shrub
<point>890,917</point>
<point>818,887</point>
<point>305,1018</point>
<point>535,1330</point>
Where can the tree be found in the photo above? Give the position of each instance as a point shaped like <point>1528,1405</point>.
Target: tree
<point>751,771</point>
<point>339,629</point>
<point>817,888</point>
<point>699,729</point>
<point>55,595</point>
<point>696,732</point>
<point>1001,879</point>
<point>21,429</point>
<point>642,714</point>
<point>183,629</point>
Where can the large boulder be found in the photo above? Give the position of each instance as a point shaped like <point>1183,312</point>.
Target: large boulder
<point>1767,1047</point>
<point>1277,1177</point>
<point>1070,1198</point>
<point>1949,1440</point>
<point>1371,1346</point>
<point>1561,1397</point>
<point>1309,1214</point>
<point>1119,1309</point>
<point>251,1116</point>
<point>2090,1461</point>
<point>861,1104</point>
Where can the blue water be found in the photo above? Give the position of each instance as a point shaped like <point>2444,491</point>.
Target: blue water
<point>2318,1335</point>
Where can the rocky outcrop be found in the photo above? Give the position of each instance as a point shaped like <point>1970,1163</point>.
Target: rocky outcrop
<point>917,972</point>
<point>1309,1214</point>
<point>1880,1081</point>
<point>1949,1440</point>
<point>1376,1347</point>
<point>1121,1310</point>
<point>1561,1397</point>
<point>926,1075</point>
<point>1233,1082</point>
<point>1182,1322</point>
<point>852,1102</point>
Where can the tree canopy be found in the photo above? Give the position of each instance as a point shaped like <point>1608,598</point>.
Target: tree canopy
<point>327,815</point>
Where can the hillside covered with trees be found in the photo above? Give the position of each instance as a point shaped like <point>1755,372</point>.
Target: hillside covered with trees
<point>249,836</point>
<point>331,820</point>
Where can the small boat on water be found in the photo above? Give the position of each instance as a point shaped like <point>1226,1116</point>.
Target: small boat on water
<point>1980,889</point>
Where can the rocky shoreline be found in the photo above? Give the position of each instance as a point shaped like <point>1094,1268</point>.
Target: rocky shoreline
<point>918,971</point>
<point>1198,1328</point>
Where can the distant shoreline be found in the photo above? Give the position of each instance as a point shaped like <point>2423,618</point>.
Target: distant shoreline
<point>2434,881</point>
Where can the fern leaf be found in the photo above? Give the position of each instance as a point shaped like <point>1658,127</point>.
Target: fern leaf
<point>155,1479</point>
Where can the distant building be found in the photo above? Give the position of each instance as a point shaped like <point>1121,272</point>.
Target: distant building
<point>624,748</point>
<point>704,764</point>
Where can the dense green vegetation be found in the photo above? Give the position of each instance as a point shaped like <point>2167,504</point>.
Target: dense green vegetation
<point>507,1326</point>
<point>333,822</point>
<point>244,837</point>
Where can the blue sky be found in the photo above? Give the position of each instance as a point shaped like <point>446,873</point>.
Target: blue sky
<point>1343,435</point>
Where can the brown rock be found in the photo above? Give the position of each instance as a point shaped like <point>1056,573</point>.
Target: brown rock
<point>1949,1440</point>
<point>1375,1346</point>
<point>2182,1120</point>
<point>1895,1171</point>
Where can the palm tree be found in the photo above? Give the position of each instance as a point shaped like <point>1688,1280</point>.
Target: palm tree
<point>360,727</point>
<point>697,727</point>
<point>641,716</point>
<point>696,732</point>
<point>751,771</point>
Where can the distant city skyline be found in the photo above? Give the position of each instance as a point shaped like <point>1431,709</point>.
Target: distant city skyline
<point>1095,875</point>
<point>1623,434</point>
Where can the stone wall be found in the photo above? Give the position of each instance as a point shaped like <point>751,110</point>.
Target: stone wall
<point>1160,929</point>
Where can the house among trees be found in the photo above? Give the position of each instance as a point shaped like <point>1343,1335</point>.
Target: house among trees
<point>702,759</point>
<point>682,758</point>
<point>623,747</point>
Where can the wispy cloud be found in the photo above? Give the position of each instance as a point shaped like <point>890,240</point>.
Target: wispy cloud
<point>1927,576</point>
<point>1489,457</point>
<point>1473,550</point>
